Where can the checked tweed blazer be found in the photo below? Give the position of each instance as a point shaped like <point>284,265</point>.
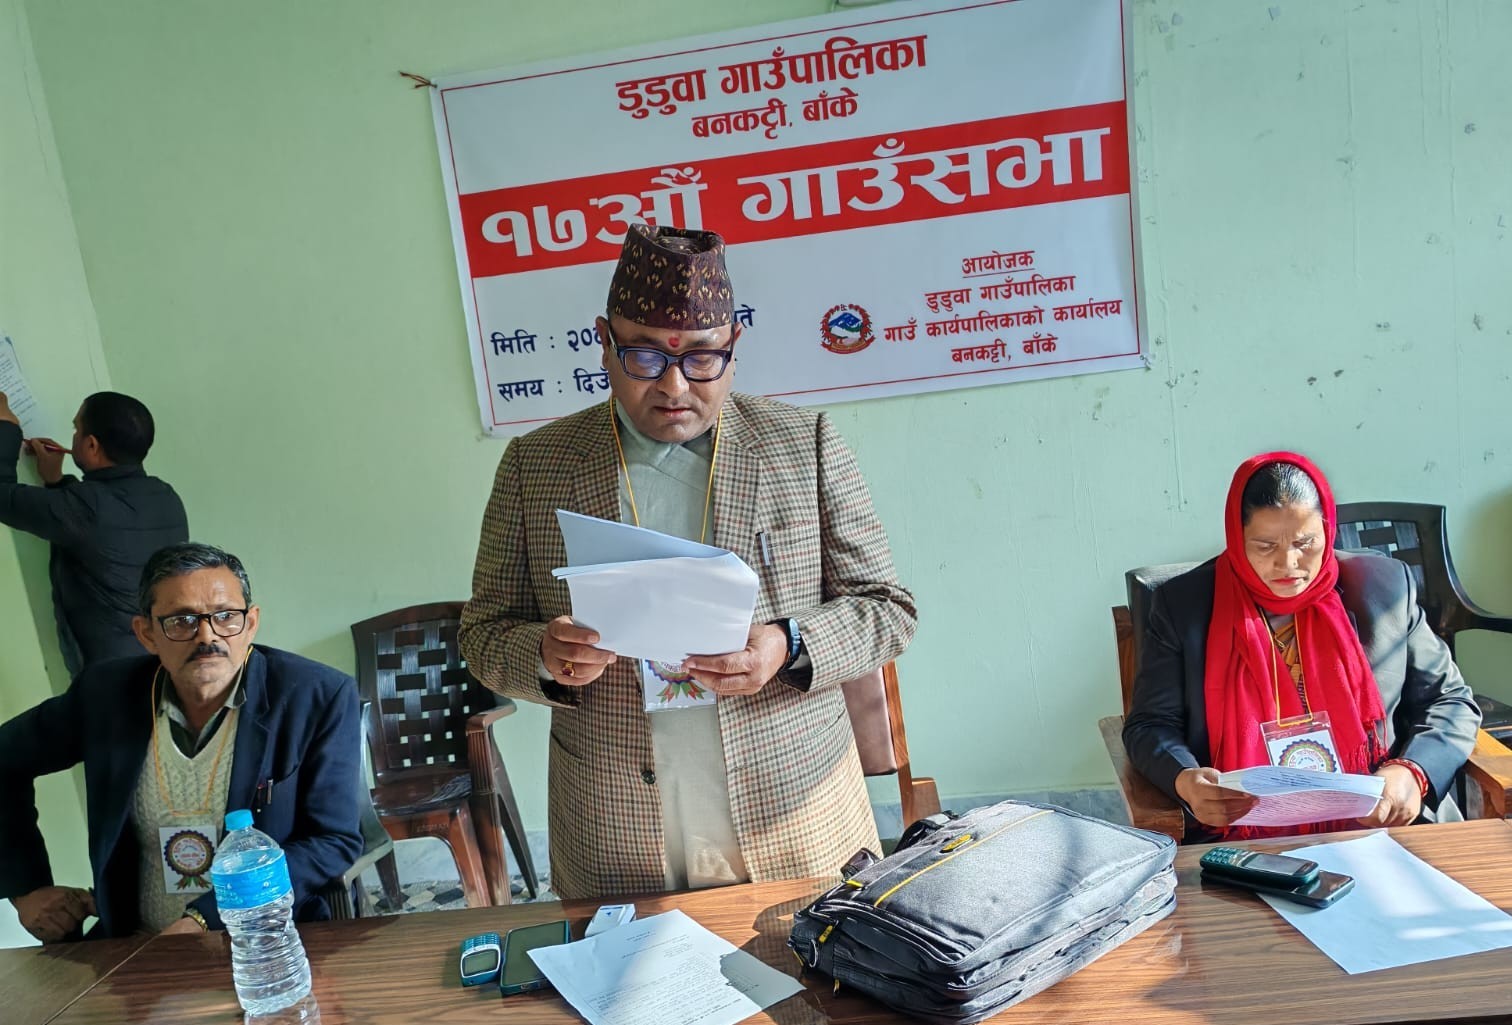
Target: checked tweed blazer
<point>796,791</point>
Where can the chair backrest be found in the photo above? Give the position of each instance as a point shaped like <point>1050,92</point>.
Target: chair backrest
<point>1140,584</point>
<point>375,839</point>
<point>410,669</point>
<point>876,715</point>
<point>877,726</point>
<point>1416,534</point>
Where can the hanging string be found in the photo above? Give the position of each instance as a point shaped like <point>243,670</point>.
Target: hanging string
<point>421,82</point>
<point>703,531</point>
<point>226,728</point>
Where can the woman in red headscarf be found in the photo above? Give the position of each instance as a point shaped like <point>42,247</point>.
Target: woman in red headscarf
<point>1281,650</point>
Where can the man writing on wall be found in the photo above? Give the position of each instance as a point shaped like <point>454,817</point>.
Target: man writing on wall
<point>170,742</point>
<point>102,528</point>
<point>765,783</point>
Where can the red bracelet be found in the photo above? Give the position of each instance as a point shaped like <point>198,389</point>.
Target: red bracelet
<point>1417,774</point>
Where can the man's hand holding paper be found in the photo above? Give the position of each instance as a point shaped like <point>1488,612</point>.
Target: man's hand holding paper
<point>570,653</point>
<point>745,671</point>
<point>653,596</point>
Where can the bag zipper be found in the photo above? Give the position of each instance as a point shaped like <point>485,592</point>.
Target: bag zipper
<point>960,850</point>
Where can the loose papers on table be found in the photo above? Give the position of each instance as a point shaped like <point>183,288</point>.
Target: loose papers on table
<point>666,968</point>
<point>652,595</point>
<point>1402,910</point>
<point>1290,797</point>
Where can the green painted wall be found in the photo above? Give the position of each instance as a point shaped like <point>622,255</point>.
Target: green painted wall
<point>1324,204</point>
<point>45,308</point>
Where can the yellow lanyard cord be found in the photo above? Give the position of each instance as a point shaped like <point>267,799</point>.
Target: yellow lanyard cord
<point>1275,648</point>
<point>703,531</point>
<point>157,759</point>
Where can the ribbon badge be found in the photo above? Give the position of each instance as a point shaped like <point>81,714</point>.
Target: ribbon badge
<point>188,853</point>
<point>679,682</point>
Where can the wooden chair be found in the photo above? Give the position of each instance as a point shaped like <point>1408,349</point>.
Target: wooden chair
<point>1489,767</point>
<point>876,715</point>
<point>436,768</point>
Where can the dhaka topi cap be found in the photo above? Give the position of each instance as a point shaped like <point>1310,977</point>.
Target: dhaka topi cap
<point>672,278</point>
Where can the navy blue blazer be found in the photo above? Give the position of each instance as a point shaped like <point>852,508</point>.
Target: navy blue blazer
<point>1431,716</point>
<point>298,728</point>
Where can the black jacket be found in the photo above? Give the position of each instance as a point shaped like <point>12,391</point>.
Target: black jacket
<point>1431,716</point>
<point>102,529</point>
<point>298,727</point>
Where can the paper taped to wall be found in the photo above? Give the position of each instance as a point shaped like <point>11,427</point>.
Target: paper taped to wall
<point>17,392</point>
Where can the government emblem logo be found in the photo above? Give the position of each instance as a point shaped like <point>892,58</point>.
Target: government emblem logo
<point>845,329</point>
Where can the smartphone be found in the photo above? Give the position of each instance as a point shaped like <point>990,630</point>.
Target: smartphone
<point>519,973</point>
<point>1254,866</point>
<point>1321,891</point>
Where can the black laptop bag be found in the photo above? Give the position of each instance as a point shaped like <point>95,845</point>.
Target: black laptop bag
<point>973,914</point>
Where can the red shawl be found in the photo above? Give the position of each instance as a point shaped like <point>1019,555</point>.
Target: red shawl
<point>1243,665</point>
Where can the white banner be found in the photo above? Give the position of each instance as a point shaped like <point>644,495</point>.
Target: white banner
<point>917,196</point>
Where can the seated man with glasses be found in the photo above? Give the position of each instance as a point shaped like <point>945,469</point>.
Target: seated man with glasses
<point>172,741</point>
<point>765,783</point>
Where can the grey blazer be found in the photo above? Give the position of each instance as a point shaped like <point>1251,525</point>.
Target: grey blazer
<point>1431,716</point>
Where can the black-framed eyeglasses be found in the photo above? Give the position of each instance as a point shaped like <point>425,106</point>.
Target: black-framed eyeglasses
<point>647,364</point>
<point>184,626</point>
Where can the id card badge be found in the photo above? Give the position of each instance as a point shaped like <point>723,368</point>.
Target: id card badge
<point>187,851</point>
<point>1305,743</point>
<point>667,685</point>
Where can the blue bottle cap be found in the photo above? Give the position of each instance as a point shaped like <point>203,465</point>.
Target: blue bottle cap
<point>241,818</point>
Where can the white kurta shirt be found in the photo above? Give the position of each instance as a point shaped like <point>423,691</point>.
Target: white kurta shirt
<point>671,485</point>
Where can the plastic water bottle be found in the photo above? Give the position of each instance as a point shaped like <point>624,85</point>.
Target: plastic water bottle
<point>255,898</point>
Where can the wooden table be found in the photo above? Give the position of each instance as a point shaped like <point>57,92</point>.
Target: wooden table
<point>1222,957</point>
<point>36,983</point>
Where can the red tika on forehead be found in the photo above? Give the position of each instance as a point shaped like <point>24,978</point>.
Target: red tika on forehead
<point>672,341</point>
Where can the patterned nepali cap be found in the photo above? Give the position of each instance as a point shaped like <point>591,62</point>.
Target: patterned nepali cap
<point>671,278</point>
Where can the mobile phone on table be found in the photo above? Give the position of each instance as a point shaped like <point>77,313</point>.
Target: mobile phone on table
<point>479,959</point>
<point>519,973</point>
<point>1255,866</point>
<point>1321,891</point>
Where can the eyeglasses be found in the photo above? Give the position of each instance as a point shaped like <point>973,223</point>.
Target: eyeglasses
<point>185,626</point>
<point>648,364</point>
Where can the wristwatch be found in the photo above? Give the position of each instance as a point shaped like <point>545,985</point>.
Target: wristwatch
<point>794,641</point>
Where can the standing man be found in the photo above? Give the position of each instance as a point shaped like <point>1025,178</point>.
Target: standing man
<point>766,783</point>
<point>170,742</point>
<point>102,528</point>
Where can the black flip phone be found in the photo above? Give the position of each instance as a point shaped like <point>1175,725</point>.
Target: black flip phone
<point>1323,890</point>
<point>519,973</point>
<point>1254,866</point>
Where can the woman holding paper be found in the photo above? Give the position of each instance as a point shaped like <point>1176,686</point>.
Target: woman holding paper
<point>1282,651</point>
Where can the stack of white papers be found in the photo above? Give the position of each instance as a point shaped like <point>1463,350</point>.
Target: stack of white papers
<point>1291,797</point>
<point>652,595</point>
<point>666,968</point>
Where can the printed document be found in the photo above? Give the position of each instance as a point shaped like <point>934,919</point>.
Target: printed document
<point>666,968</point>
<point>18,393</point>
<point>654,596</point>
<point>1401,911</point>
<point>1290,797</point>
